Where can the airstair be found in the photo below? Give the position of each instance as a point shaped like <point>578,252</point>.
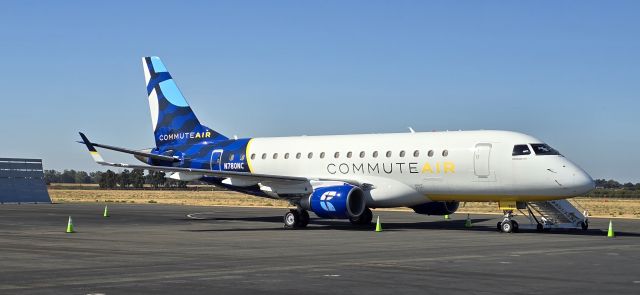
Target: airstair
<point>546,215</point>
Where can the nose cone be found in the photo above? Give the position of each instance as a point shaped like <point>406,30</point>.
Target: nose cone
<point>582,182</point>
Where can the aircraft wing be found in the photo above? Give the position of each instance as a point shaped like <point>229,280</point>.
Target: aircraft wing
<point>289,181</point>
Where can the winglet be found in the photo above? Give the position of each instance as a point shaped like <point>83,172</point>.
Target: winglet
<point>94,153</point>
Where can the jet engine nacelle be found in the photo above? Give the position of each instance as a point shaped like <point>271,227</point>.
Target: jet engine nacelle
<point>336,202</point>
<point>437,208</point>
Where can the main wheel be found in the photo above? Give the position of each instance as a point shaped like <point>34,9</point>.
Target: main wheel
<point>499,226</point>
<point>304,218</point>
<point>367,216</point>
<point>364,219</point>
<point>291,219</point>
<point>516,226</point>
<point>506,226</point>
<point>539,227</point>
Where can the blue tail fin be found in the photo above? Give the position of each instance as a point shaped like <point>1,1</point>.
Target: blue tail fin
<point>174,123</point>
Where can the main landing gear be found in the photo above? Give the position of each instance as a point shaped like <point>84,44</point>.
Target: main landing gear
<point>508,225</point>
<point>299,218</point>
<point>364,219</point>
<point>296,218</point>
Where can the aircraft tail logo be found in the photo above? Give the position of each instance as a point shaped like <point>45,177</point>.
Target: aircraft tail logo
<point>174,123</point>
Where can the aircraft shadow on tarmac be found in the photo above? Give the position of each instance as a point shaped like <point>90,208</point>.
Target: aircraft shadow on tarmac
<point>322,224</point>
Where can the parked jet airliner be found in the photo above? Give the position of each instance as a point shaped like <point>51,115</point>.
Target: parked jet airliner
<point>342,177</point>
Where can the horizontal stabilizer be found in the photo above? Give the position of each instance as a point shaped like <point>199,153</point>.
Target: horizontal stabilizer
<point>92,145</point>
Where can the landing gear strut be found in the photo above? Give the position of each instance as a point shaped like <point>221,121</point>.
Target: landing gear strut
<point>296,218</point>
<point>508,225</point>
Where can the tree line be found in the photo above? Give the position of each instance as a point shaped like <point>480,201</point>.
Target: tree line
<point>135,178</point>
<point>612,184</point>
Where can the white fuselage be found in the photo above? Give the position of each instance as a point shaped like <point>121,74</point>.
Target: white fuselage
<point>407,169</point>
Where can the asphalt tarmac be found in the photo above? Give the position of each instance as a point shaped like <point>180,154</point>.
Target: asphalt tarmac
<point>161,249</point>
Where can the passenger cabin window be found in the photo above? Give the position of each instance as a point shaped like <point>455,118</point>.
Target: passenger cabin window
<point>336,155</point>
<point>242,157</point>
<point>542,149</point>
<point>388,154</point>
<point>349,154</point>
<point>430,153</point>
<point>322,155</point>
<point>361,154</point>
<point>253,156</point>
<point>275,156</point>
<point>375,154</point>
<point>416,153</point>
<point>231,157</point>
<point>264,156</point>
<point>401,154</point>
<point>521,150</point>
<point>310,155</point>
<point>286,156</point>
<point>298,155</point>
<point>445,153</point>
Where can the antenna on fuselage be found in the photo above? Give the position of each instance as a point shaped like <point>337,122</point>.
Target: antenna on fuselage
<point>411,130</point>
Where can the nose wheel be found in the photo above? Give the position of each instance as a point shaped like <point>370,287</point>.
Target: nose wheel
<point>584,225</point>
<point>508,225</point>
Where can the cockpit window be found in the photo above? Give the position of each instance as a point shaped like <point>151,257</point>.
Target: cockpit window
<point>521,150</point>
<point>543,149</point>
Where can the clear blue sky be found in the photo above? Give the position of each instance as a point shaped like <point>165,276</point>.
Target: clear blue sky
<point>564,71</point>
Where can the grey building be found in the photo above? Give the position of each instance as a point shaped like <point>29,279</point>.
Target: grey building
<point>22,181</point>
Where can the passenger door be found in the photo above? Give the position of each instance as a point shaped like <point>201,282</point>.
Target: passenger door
<point>216,159</point>
<point>481,160</point>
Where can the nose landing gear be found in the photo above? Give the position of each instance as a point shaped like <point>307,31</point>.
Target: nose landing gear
<point>508,225</point>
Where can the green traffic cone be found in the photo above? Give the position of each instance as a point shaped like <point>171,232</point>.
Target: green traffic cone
<point>70,226</point>
<point>468,222</point>
<point>610,234</point>
<point>106,212</point>
<point>378,225</point>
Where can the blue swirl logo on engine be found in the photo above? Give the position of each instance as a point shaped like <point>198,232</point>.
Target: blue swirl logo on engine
<point>325,201</point>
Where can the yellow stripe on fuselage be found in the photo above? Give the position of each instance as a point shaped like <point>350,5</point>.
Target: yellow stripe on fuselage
<point>493,198</point>
<point>248,156</point>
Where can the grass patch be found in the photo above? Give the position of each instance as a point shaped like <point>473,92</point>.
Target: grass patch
<point>600,207</point>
